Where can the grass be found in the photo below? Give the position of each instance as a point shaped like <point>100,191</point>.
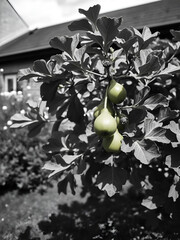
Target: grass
<point>18,211</point>
<point>34,216</point>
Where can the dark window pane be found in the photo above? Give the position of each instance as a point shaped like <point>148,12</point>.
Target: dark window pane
<point>10,84</point>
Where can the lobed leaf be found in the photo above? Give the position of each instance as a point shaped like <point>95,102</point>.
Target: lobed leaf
<point>96,38</point>
<point>145,151</point>
<point>92,13</point>
<point>125,34</point>
<point>111,179</point>
<point>173,160</point>
<point>20,121</point>
<point>108,27</point>
<point>175,128</point>
<point>54,167</point>
<point>156,101</point>
<point>27,73</point>
<point>79,53</point>
<point>148,37</point>
<point>153,64</point>
<point>137,115</point>
<point>48,91</point>
<point>165,113</point>
<point>21,124</point>
<point>75,110</point>
<point>128,44</point>
<point>169,70</point>
<point>154,131</point>
<point>41,67</point>
<point>158,135</point>
<point>65,43</point>
<point>18,117</point>
<point>145,38</point>
<point>70,158</point>
<point>35,128</point>
<point>80,25</point>
<point>63,184</point>
<point>54,145</point>
<point>141,95</point>
<point>150,125</point>
<point>127,145</point>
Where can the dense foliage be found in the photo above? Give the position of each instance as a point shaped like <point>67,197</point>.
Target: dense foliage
<point>21,158</point>
<point>21,163</point>
<point>10,103</point>
<point>76,80</point>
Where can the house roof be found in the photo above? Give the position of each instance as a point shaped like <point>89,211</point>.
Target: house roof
<point>11,23</point>
<point>156,14</point>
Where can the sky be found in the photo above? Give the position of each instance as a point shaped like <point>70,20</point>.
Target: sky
<point>42,13</point>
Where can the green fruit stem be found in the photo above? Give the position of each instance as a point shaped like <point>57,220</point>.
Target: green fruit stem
<point>106,98</point>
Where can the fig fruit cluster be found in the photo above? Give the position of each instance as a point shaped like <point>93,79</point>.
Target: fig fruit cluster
<point>107,123</point>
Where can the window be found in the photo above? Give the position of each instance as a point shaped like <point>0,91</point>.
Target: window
<point>10,83</point>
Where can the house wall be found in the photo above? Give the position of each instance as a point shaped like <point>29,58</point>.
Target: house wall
<point>11,65</point>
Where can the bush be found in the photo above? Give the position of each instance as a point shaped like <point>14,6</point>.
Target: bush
<point>21,157</point>
<point>10,103</point>
<point>21,162</point>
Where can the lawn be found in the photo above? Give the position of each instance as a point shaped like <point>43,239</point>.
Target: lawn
<point>51,216</point>
<point>21,210</point>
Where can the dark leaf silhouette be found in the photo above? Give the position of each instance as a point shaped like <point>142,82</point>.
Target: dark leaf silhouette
<point>92,13</point>
<point>65,43</point>
<point>75,110</point>
<point>80,25</point>
<point>111,179</point>
<point>108,27</point>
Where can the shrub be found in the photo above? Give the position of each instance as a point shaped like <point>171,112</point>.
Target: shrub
<point>94,68</point>
<point>21,162</point>
<point>10,103</point>
<point>21,157</point>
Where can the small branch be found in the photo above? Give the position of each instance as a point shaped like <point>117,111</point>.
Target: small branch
<point>97,74</point>
<point>131,106</point>
<point>56,126</point>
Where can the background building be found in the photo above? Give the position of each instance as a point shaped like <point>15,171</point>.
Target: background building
<point>19,46</point>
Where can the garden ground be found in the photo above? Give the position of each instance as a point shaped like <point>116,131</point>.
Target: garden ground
<point>21,210</point>
<point>51,216</point>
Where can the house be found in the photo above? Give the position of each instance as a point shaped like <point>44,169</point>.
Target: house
<point>12,26</point>
<point>21,51</point>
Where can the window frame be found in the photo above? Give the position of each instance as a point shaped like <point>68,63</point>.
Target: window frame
<point>8,77</point>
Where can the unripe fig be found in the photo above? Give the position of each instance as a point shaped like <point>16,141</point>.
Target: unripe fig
<point>100,107</point>
<point>116,92</point>
<point>105,124</point>
<point>113,143</point>
<point>122,121</point>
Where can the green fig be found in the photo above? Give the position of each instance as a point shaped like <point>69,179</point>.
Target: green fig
<point>100,107</point>
<point>122,121</point>
<point>116,92</point>
<point>105,124</point>
<point>113,143</point>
